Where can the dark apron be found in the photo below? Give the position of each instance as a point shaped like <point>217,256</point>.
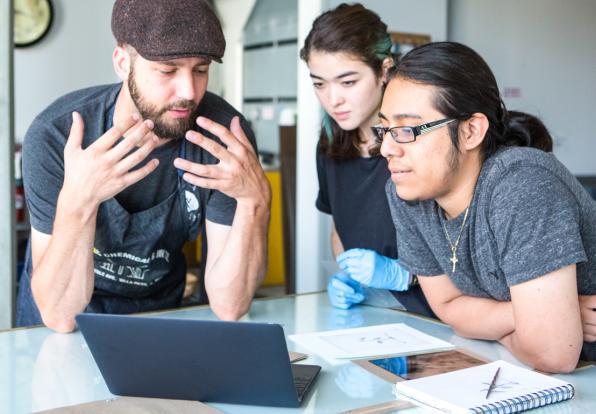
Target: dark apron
<point>138,260</point>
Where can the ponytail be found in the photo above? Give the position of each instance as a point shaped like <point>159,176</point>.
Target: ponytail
<point>525,130</point>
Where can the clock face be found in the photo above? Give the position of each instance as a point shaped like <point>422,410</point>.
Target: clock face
<point>32,20</point>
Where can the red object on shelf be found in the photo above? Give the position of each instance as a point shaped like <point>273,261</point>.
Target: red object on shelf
<point>19,196</point>
<point>19,203</point>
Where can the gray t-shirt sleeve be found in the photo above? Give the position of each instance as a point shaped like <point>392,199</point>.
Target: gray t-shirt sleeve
<point>43,173</point>
<point>536,223</point>
<point>413,250</point>
<point>221,208</point>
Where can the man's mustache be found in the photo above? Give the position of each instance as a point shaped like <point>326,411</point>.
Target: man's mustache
<point>187,104</point>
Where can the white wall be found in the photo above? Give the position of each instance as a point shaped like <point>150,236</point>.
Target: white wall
<point>411,16</point>
<point>310,224</point>
<point>76,53</point>
<point>547,50</point>
<point>233,15</point>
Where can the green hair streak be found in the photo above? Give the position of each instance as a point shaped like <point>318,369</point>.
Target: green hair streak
<point>382,49</point>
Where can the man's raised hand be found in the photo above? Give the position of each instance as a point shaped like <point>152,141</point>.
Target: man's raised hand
<point>103,169</point>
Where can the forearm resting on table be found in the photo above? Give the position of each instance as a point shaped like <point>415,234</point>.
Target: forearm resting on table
<point>471,317</point>
<point>478,318</point>
<point>62,279</point>
<point>548,327</point>
<point>236,260</point>
<point>540,355</point>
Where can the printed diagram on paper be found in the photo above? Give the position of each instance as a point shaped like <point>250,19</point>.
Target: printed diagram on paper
<point>390,339</point>
<point>381,342</point>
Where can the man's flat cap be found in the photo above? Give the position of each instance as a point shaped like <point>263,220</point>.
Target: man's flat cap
<point>169,29</point>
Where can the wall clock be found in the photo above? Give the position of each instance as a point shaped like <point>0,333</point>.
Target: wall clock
<point>32,21</point>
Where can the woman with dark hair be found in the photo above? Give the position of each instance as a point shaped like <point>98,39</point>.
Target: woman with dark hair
<point>501,234</point>
<point>348,54</point>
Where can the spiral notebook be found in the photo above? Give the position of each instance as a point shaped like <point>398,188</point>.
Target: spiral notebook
<point>514,390</point>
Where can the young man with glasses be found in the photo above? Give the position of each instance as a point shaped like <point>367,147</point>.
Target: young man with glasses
<point>500,233</point>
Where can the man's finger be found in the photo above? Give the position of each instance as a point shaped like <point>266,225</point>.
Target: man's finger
<point>202,170</point>
<point>77,131</point>
<point>137,175</point>
<point>131,160</point>
<point>209,145</point>
<point>112,135</point>
<point>136,135</point>
<point>238,132</point>
<point>220,131</point>
<point>209,183</point>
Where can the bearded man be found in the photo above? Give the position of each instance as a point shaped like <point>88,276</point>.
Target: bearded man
<point>119,177</point>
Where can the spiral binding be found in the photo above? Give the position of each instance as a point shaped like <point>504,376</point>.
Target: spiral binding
<point>527,402</point>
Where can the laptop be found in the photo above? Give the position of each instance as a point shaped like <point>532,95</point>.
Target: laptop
<point>207,361</point>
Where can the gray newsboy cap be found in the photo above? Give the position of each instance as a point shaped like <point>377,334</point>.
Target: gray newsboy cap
<point>168,29</point>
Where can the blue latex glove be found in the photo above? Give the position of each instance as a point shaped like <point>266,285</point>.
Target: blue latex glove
<point>371,269</point>
<point>355,382</point>
<point>396,365</point>
<point>343,318</point>
<point>343,291</point>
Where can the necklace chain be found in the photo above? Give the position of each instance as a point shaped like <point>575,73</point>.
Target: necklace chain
<point>453,246</point>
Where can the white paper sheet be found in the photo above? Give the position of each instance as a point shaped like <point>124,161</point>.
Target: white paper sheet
<point>391,339</point>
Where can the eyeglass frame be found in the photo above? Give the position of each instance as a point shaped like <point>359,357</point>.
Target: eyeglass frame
<point>417,130</point>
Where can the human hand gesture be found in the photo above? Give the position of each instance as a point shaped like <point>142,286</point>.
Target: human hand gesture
<point>343,291</point>
<point>238,174</point>
<point>103,169</point>
<point>372,269</point>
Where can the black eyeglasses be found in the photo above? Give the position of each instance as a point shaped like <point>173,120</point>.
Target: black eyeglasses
<point>405,134</point>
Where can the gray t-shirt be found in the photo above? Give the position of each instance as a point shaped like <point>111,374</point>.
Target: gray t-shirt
<point>529,216</point>
<point>43,159</point>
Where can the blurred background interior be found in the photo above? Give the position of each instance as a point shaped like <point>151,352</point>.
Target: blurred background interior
<point>541,51</point>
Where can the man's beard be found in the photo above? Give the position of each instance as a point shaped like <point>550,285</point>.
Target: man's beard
<point>174,128</point>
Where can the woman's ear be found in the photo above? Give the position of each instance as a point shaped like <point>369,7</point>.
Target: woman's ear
<point>121,60</point>
<point>473,130</point>
<point>388,63</point>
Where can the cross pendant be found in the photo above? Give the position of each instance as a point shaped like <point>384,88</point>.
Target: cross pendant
<point>453,260</point>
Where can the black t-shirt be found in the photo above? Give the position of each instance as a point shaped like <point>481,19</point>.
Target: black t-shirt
<point>43,156</point>
<point>353,192</point>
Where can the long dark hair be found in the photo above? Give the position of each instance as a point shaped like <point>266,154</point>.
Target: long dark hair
<point>466,85</point>
<point>357,31</point>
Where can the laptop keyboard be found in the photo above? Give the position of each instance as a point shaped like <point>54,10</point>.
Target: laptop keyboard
<point>304,376</point>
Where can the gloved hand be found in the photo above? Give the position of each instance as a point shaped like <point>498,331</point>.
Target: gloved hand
<point>396,365</point>
<point>343,318</point>
<point>371,269</point>
<point>355,382</point>
<point>343,291</point>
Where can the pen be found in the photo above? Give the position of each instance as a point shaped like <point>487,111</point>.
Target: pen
<point>493,383</point>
